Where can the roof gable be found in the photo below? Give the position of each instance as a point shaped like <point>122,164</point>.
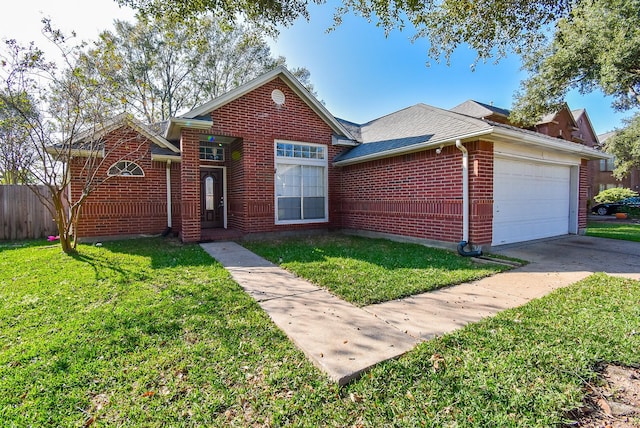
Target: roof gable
<point>555,117</point>
<point>291,81</point>
<point>120,121</point>
<point>585,127</point>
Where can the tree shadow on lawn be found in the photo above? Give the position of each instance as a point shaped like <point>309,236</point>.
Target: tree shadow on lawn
<point>163,253</point>
<point>147,302</point>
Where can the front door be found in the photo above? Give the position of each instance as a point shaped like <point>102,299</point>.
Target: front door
<point>211,198</point>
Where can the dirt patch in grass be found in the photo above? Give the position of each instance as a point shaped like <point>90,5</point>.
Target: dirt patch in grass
<point>614,402</point>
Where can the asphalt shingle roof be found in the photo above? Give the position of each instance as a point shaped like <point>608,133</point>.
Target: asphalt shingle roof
<point>353,128</point>
<point>411,126</point>
<point>604,137</point>
<point>477,109</point>
<point>157,150</point>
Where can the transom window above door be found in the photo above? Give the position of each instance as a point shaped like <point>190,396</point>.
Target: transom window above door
<point>211,150</point>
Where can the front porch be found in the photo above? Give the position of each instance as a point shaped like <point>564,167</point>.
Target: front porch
<point>220,234</point>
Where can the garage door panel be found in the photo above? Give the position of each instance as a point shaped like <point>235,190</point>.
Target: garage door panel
<point>529,230</point>
<point>531,200</point>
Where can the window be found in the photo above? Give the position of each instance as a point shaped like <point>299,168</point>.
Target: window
<point>208,190</point>
<point>603,187</point>
<point>210,150</point>
<point>300,183</point>
<point>607,164</point>
<point>125,169</point>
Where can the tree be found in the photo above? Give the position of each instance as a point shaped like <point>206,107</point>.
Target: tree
<point>16,154</point>
<point>159,67</point>
<point>625,146</point>
<point>614,195</point>
<point>565,44</point>
<point>490,27</point>
<point>596,47</point>
<point>265,14</point>
<point>65,118</point>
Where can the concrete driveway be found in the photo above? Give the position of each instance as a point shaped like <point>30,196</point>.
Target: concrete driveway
<point>553,263</point>
<point>578,255</point>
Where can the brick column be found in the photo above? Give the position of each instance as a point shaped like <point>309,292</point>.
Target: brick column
<point>190,177</point>
<point>582,196</point>
<point>481,192</point>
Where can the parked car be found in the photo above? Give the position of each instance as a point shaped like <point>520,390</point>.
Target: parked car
<point>608,208</point>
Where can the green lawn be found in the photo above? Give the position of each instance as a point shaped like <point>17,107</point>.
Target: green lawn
<point>146,333</point>
<point>365,271</point>
<point>625,231</point>
<point>150,333</point>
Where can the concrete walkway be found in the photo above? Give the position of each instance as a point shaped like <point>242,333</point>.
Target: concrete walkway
<point>336,336</point>
<point>344,340</point>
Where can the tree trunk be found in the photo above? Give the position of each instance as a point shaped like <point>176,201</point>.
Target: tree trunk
<point>63,223</point>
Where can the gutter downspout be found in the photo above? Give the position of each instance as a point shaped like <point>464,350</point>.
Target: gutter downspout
<point>169,224</point>
<point>465,205</point>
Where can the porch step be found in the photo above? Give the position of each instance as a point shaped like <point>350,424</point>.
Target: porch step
<point>211,235</point>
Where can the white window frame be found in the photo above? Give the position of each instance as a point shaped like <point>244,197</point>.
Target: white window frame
<point>607,165</point>
<point>126,170</point>
<point>217,152</point>
<point>285,160</point>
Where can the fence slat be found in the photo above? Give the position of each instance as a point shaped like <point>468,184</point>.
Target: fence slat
<point>22,215</point>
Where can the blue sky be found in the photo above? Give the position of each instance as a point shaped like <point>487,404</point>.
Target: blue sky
<point>358,72</point>
<point>361,75</point>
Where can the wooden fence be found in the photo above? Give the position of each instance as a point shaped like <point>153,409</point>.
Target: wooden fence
<point>22,215</point>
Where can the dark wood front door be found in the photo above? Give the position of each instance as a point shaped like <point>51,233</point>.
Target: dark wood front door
<point>211,198</point>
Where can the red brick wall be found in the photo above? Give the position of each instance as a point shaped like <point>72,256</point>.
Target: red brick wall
<point>258,122</point>
<point>561,127</point>
<point>480,191</point>
<point>176,197</point>
<point>190,177</point>
<point>124,205</point>
<point>583,195</point>
<point>236,203</point>
<point>420,194</point>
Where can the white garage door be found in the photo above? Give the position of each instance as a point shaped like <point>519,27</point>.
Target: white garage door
<point>531,200</point>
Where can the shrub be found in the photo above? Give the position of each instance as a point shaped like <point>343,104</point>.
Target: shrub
<point>614,195</point>
<point>632,212</point>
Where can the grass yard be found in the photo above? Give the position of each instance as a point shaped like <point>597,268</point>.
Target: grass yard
<point>625,231</point>
<point>140,333</point>
<point>151,333</point>
<point>365,271</point>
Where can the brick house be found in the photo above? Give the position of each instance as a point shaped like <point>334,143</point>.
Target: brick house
<point>602,172</point>
<point>267,157</point>
<point>587,136</point>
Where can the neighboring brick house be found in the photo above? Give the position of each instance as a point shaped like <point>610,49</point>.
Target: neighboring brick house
<point>587,136</point>
<point>267,158</point>
<point>602,171</point>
